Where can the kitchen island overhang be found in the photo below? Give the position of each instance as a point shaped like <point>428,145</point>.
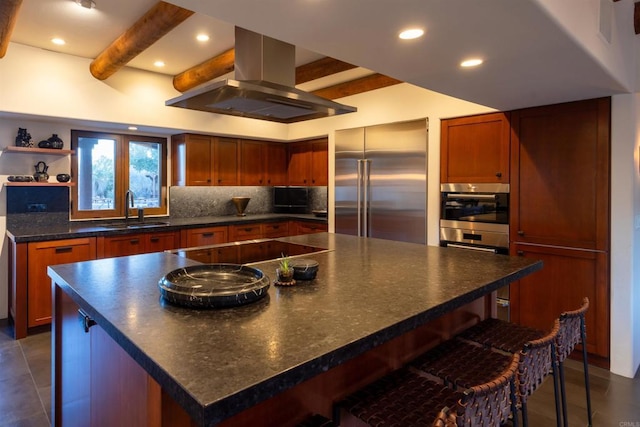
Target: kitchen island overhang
<point>218,363</point>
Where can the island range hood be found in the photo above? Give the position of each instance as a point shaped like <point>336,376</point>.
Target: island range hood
<point>263,88</point>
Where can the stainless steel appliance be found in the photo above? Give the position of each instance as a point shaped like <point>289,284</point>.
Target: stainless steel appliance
<point>476,217</point>
<point>381,181</point>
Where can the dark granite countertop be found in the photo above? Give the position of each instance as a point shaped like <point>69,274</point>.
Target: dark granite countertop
<point>38,231</point>
<point>216,363</point>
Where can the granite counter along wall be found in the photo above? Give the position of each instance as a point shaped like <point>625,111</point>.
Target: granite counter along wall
<point>192,202</point>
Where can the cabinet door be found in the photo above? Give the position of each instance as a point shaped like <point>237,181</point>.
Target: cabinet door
<point>568,276</point>
<point>275,229</point>
<point>192,156</point>
<point>320,162</point>
<point>299,163</point>
<point>302,227</point>
<point>161,241</point>
<point>475,149</point>
<point>225,161</point>
<point>560,184</point>
<point>40,256</point>
<point>204,236</point>
<point>276,163</point>
<point>245,232</point>
<point>114,246</point>
<point>252,163</point>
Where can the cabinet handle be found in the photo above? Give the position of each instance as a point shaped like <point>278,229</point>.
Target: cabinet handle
<point>520,253</point>
<point>219,181</point>
<point>499,174</point>
<point>155,239</point>
<point>86,320</point>
<point>520,233</point>
<point>275,227</point>
<point>207,234</point>
<point>64,249</point>
<point>208,180</point>
<point>248,229</point>
<point>134,241</point>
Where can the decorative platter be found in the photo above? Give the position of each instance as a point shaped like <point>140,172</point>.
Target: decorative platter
<point>214,285</point>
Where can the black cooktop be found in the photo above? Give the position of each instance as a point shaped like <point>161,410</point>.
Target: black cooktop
<point>245,252</point>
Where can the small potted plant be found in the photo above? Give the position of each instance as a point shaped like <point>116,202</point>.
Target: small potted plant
<point>284,272</point>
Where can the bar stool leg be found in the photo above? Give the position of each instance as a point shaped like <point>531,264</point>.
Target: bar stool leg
<point>583,337</point>
<point>514,404</point>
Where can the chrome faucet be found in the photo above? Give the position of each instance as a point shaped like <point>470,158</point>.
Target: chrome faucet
<point>128,195</point>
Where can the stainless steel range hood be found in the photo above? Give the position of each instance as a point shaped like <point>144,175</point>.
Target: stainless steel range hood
<point>263,87</point>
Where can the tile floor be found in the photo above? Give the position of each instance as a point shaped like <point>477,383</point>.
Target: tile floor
<point>25,389</point>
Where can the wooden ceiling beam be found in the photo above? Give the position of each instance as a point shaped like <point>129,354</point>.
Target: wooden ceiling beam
<point>354,87</point>
<point>321,68</point>
<point>8,16</point>
<point>158,21</point>
<point>636,17</point>
<point>208,70</point>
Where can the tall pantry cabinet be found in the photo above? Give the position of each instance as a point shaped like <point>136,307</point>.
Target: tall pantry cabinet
<point>560,184</point>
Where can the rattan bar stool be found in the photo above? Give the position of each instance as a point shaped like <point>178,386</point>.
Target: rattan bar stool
<point>406,398</point>
<point>509,337</point>
<point>573,332</point>
<point>462,364</point>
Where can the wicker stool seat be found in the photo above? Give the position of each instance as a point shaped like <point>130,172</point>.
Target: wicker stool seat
<point>405,398</point>
<point>462,364</point>
<point>505,336</point>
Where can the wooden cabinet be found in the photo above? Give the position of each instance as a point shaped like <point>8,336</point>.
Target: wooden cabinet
<point>306,227</point>
<point>258,230</point>
<point>560,213</point>
<point>475,149</point>
<point>139,243</point>
<point>204,236</point>
<point>262,163</point>
<point>204,160</point>
<point>308,163</point>
<point>42,254</point>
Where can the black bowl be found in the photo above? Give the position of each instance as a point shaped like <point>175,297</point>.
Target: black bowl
<point>304,269</point>
<point>63,177</point>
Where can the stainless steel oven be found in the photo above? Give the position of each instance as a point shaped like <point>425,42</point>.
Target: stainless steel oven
<point>476,217</point>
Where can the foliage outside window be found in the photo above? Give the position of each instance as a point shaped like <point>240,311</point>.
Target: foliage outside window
<point>107,165</point>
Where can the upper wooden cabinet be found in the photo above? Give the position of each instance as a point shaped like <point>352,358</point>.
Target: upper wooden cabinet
<point>309,162</point>
<point>262,163</point>
<point>475,149</point>
<point>204,160</point>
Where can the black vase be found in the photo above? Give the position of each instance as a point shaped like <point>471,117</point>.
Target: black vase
<point>55,141</point>
<point>23,139</point>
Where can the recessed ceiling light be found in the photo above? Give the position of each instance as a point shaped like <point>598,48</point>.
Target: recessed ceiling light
<point>89,4</point>
<point>159,63</point>
<point>58,41</point>
<point>412,33</point>
<point>474,62</point>
<point>202,37</point>
<point>133,128</point>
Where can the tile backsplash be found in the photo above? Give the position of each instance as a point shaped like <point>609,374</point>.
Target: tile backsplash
<point>191,202</point>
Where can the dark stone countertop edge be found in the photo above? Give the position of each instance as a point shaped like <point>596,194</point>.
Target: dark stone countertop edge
<point>211,414</point>
<point>24,233</point>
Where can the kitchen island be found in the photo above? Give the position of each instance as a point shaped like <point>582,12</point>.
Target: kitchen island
<point>373,304</point>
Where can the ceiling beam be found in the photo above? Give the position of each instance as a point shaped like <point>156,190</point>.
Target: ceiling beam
<point>321,68</point>
<point>636,17</point>
<point>158,21</point>
<point>208,70</point>
<point>354,87</point>
<point>8,16</point>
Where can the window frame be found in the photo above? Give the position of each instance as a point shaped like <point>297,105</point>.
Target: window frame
<point>121,175</point>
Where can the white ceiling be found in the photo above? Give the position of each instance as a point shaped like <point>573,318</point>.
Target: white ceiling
<point>529,59</point>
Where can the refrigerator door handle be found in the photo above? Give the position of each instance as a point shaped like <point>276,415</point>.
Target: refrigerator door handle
<point>359,196</point>
<point>366,208</point>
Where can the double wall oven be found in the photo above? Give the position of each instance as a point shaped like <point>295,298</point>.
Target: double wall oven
<point>476,217</point>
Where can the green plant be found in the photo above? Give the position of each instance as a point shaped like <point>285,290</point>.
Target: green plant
<point>285,267</point>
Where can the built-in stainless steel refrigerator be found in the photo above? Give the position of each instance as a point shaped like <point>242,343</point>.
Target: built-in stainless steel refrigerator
<point>381,181</point>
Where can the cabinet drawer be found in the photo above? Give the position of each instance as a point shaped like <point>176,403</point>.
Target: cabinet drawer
<point>245,232</point>
<point>130,244</point>
<point>275,229</point>
<point>204,236</point>
<point>158,242</point>
<point>309,227</point>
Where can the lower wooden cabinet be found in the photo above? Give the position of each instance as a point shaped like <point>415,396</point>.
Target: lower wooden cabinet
<point>568,276</point>
<point>39,256</point>
<point>140,243</point>
<point>245,232</point>
<point>204,236</point>
<point>304,227</point>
